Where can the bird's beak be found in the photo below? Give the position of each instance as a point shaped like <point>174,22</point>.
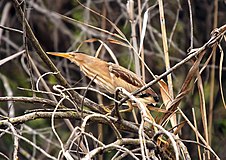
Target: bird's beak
<point>59,54</point>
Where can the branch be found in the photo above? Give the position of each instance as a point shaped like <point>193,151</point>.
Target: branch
<point>123,125</point>
<point>29,100</point>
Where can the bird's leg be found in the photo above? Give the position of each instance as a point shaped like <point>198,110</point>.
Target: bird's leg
<point>115,110</point>
<point>106,108</point>
<point>129,109</point>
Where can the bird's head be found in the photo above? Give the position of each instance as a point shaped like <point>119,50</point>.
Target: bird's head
<point>149,97</point>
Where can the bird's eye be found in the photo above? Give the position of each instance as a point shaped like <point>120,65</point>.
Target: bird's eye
<point>156,98</point>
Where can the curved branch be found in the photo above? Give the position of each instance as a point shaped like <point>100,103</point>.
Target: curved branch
<point>117,133</point>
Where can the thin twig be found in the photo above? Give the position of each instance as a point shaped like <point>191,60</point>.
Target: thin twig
<point>191,25</point>
<point>11,29</point>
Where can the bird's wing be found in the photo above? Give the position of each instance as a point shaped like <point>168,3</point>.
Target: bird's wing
<point>125,74</point>
<point>130,78</point>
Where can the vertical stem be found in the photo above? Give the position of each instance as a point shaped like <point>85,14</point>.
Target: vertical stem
<point>130,10</point>
<point>140,30</point>
<point>212,76</point>
<point>173,119</point>
<point>191,24</point>
<point>26,48</point>
<point>99,96</point>
<point>100,126</point>
<point>165,47</point>
<point>196,134</point>
<point>203,110</point>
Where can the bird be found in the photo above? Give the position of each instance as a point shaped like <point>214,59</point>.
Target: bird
<point>110,76</point>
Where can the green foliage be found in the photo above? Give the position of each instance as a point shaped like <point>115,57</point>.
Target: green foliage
<point>52,80</point>
<point>38,123</point>
<point>221,126</point>
<point>126,61</point>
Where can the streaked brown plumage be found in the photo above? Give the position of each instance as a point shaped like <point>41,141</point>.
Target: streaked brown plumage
<point>109,75</point>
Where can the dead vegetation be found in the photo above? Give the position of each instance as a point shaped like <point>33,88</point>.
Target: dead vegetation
<point>51,111</point>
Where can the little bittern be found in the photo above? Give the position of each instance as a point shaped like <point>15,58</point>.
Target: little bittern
<point>109,75</point>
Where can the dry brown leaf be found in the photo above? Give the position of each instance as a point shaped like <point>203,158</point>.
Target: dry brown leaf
<point>164,92</point>
<point>114,41</point>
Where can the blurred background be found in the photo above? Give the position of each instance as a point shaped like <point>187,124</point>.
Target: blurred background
<point>55,34</point>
